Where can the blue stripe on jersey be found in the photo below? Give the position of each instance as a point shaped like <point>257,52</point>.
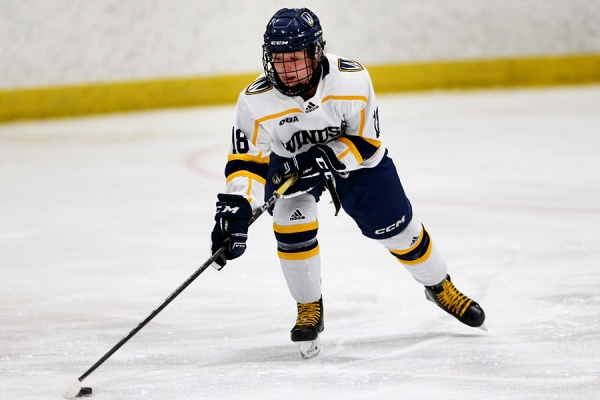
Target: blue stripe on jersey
<point>240,165</point>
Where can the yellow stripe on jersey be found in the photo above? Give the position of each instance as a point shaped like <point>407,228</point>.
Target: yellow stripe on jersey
<point>247,174</point>
<point>374,142</point>
<point>362,122</point>
<point>268,117</point>
<point>327,98</point>
<point>344,154</point>
<point>351,148</point>
<point>362,111</point>
<point>303,255</point>
<point>245,157</point>
<point>296,228</point>
<point>249,192</point>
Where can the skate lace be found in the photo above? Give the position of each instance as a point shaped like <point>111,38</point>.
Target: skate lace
<point>452,299</point>
<point>308,314</point>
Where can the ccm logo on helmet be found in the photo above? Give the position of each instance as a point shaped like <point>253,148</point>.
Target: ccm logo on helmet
<point>391,227</point>
<point>278,42</point>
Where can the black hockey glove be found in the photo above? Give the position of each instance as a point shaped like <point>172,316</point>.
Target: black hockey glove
<point>314,167</point>
<point>233,214</point>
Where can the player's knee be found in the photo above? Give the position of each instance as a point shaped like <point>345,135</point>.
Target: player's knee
<point>418,252</point>
<point>297,242</point>
<point>295,225</point>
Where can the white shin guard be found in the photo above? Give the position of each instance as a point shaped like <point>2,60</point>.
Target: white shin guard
<point>303,278</point>
<point>295,224</point>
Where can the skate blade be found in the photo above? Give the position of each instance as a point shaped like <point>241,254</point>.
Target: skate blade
<point>483,327</point>
<point>310,348</point>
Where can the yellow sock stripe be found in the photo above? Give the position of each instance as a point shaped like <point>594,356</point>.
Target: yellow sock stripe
<point>421,259</point>
<point>86,99</point>
<point>414,246</point>
<point>303,255</point>
<point>310,226</point>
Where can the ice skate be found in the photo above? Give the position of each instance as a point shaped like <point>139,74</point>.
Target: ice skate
<point>308,326</point>
<point>449,299</point>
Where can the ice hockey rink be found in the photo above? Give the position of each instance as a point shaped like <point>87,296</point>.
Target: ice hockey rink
<point>101,218</point>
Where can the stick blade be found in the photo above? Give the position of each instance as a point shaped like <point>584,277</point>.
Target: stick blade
<point>73,390</point>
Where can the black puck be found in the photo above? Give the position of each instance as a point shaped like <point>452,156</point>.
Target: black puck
<point>85,392</point>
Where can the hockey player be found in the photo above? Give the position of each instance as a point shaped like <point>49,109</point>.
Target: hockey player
<point>315,115</point>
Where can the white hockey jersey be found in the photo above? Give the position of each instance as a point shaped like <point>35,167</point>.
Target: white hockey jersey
<point>342,114</point>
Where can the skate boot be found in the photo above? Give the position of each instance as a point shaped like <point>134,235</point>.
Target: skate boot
<point>308,326</point>
<point>449,299</point>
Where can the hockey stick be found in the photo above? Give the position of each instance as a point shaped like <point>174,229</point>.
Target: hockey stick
<point>75,389</point>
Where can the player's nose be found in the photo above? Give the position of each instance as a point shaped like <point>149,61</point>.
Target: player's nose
<point>289,67</point>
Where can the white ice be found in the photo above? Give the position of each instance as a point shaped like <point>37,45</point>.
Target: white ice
<point>102,218</point>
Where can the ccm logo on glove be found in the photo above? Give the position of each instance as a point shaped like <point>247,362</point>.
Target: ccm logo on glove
<point>231,226</point>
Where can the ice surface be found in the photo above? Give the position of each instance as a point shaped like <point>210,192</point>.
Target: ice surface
<point>102,218</point>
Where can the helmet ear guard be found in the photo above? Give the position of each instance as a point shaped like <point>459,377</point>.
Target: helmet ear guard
<point>291,30</point>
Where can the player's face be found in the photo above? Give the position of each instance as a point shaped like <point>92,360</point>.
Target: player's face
<point>293,68</point>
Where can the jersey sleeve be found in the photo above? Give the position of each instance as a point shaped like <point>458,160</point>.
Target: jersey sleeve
<point>248,159</point>
<point>359,146</point>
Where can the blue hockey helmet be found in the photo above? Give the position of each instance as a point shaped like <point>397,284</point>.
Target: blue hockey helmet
<point>291,30</point>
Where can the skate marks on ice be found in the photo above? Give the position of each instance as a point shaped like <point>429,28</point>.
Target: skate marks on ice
<point>341,345</point>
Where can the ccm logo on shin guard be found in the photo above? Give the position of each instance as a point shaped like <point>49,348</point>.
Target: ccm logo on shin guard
<point>391,227</point>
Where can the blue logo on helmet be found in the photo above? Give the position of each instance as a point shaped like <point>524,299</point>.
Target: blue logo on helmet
<point>308,18</point>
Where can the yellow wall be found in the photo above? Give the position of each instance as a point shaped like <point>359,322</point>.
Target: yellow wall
<point>76,100</point>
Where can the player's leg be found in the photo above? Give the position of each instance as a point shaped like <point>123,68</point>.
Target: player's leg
<point>376,201</point>
<point>415,249</point>
<point>295,223</point>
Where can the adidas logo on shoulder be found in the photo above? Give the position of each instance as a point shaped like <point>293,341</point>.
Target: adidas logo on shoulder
<point>297,215</point>
<point>310,107</point>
